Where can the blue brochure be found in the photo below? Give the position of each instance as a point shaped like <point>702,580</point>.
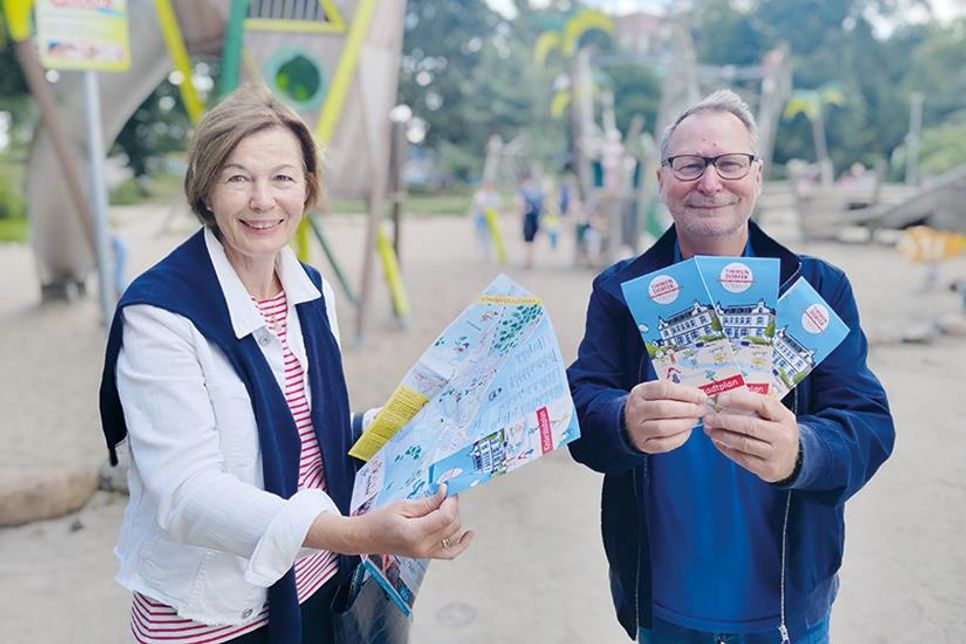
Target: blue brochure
<point>808,330</point>
<point>681,330</point>
<point>744,291</point>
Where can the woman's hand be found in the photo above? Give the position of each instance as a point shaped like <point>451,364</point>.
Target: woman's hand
<point>427,528</point>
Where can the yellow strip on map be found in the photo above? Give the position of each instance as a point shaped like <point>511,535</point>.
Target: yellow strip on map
<point>509,299</point>
<point>403,404</point>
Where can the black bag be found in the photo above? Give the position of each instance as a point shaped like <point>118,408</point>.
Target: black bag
<point>362,613</point>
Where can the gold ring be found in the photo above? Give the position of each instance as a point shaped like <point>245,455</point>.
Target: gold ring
<point>445,543</point>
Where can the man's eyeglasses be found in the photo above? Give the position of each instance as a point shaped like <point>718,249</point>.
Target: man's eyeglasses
<point>690,167</point>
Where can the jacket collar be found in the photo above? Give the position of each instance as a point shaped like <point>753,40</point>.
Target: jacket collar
<point>245,318</point>
<point>661,254</point>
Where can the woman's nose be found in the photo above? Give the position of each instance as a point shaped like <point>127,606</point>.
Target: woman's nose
<point>261,198</point>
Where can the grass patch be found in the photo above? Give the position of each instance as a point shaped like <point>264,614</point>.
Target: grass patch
<point>452,203</point>
<point>14,229</point>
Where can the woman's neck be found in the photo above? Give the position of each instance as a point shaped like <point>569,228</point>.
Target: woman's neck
<point>257,275</point>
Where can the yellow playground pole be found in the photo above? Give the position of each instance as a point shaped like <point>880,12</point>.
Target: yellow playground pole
<point>493,223</point>
<point>390,266</point>
<point>179,56</point>
<point>324,128</point>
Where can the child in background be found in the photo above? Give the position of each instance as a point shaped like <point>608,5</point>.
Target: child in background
<point>485,198</point>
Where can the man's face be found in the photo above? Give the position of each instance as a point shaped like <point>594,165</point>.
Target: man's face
<point>710,210</point>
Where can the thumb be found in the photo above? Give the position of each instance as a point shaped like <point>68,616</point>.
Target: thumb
<point>427,505</point>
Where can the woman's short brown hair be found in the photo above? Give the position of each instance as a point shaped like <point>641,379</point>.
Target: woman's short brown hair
<point>249,109</point>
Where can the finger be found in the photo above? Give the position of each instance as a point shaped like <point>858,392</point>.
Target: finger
<point>458,544</point>
<point>749,401</point>
<point>667,390</point>
<point>753,426</point>
<point>426,505</point>
<point>663,444</point>
<point>741,443</point>
<point>665,427</point>
<point>751,463</point>
<point>658,409</point>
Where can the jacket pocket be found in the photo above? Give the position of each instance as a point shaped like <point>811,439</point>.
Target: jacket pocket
<point>170,566</point>
<point>235,424</point>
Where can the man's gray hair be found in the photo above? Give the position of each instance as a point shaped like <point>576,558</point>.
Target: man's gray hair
<point>723,100</point>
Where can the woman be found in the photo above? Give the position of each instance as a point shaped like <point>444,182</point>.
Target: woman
<point>223,369</point>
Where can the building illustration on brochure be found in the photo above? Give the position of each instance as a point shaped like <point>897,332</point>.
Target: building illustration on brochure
<point>682,332</point>
<point>744,291</point>
<point>808,330</point>
<point>489,396</point>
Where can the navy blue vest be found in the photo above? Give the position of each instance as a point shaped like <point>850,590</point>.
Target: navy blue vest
<point>185,283</point>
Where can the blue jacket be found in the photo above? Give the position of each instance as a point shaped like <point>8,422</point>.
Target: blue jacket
<point>846,434</point>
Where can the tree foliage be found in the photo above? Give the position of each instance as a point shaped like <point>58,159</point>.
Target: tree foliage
<point>865,48</point>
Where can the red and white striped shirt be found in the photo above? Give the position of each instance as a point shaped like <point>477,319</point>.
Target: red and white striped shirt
<point>156,623</point>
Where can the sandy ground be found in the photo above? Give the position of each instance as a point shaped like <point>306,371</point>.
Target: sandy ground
<point>536,571</point>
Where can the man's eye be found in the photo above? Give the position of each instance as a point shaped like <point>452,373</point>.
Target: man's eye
<point>692,167</point>
<point>730,166</point>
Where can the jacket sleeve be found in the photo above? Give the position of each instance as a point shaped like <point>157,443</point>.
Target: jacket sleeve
<point>847,431</point>
<point>599,384</point>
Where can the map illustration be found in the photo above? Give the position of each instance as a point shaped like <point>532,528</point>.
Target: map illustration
<point>488,396</point>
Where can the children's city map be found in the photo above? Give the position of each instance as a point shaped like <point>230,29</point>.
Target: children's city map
<point>744,291</point>
<point>488,396</point>
<point>681,330</point>
<point>808,330</point>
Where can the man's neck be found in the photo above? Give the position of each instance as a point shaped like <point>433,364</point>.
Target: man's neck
<point>732,246</point>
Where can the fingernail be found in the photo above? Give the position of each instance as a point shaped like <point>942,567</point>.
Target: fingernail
<point>723,399</point>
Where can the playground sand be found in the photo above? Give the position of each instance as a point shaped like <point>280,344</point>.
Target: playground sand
<point>536,571</point>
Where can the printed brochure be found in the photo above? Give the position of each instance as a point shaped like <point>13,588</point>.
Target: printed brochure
<point>744,291</point>
<point>496,397</point>
<point>681,330</point>
<point>808,330</point>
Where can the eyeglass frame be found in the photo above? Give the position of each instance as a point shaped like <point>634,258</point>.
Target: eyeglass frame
<point>713,161</point>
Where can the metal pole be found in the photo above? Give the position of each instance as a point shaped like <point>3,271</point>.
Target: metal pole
<point>34,74</point>
<point>95,149</point>
<point>913,138</point>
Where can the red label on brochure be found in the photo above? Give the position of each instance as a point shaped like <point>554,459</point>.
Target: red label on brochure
<point>757,387</point>
<point>546,437</point>
<point>727,384</point>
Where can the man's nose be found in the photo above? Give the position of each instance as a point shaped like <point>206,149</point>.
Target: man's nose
<point>709,182</point>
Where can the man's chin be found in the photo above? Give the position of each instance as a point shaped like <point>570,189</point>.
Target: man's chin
<point>713,226</point>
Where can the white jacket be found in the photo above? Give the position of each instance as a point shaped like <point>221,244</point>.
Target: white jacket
<point>199,533</point>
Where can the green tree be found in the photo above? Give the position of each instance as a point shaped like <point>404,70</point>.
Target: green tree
<point>637,90</point>
<point>159,126</point>
<point>443,45</point>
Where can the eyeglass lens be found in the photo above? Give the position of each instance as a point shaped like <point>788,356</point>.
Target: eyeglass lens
<point>728,166</point>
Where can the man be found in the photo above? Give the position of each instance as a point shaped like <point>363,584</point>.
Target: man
<point>732,532</point>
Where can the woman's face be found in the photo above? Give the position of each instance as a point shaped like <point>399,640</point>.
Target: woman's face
<point>259,196</point>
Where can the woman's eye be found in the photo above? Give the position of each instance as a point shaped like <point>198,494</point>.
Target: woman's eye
<point>284,177</point>
<point>237,178</point>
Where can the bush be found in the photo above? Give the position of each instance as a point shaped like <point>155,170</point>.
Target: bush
<point>12,203</point>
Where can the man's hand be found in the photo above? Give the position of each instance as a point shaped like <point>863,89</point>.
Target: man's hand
<point>660,415</point>
<point>756,432</point>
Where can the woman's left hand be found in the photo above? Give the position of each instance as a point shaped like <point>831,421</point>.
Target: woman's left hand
<point>427,528</point>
